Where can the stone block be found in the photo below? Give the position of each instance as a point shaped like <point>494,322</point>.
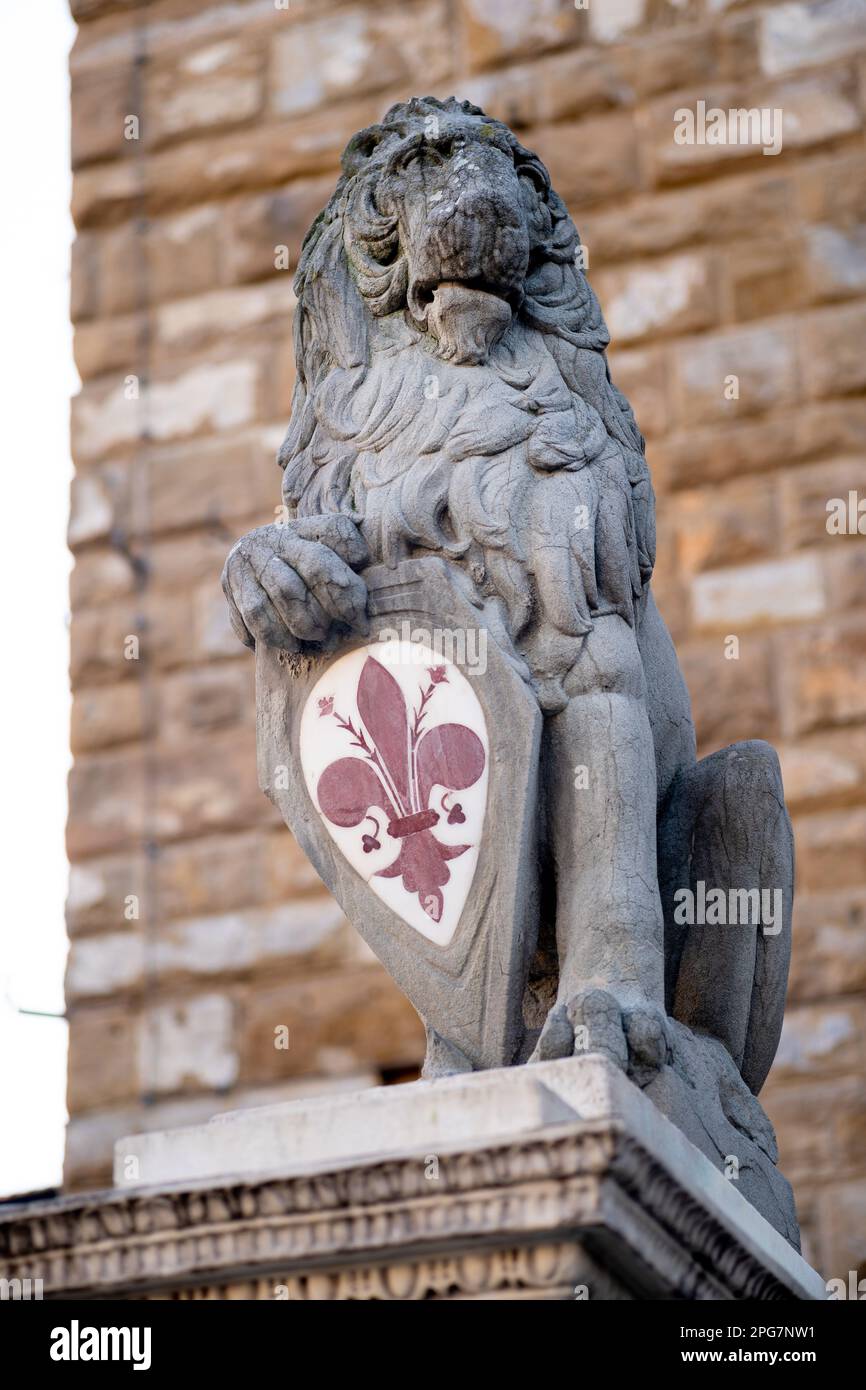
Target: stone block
<point>821,1040</point>
<point>833,349</point>
<point>822,673</point>
<point>103,1068</point>
<point>255,228</point>
<point>105,715</point>
<point>575,1151</point>
<point>335,1022</point>
<point>795,36</point>
<point>494,32</point>
<point>829,955</point>
<point>187,1045</point>
<point>832,1145</point>
<point>730,524</point>
<point>590,161</point>
<point>825,770</point>
<point>202,88</point>
<point>726,376</point>
<point>842,1214</point>
<point>787,590</point>
<point>731,699</point>
<point>320,60</point>
<point>831,848</point>
<point>664,297</point>
<point>815,110</point>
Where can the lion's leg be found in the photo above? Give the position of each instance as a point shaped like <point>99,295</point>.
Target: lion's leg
<point>726,827</point>
<point>601,781</point>
<point>668,704</point>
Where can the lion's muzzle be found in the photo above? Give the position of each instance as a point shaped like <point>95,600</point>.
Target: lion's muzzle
<point>465,233</point>
<point>466,322</point>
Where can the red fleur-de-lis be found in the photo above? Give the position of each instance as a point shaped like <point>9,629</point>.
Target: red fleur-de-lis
<point>400,768</point>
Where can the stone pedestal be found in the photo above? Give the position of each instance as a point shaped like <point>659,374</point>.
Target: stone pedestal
<point>554,1181</point>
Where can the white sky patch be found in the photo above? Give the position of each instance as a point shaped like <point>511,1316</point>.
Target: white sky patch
<point>37,377</point>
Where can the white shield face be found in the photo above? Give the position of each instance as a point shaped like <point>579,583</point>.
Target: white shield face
<point>395,756</point>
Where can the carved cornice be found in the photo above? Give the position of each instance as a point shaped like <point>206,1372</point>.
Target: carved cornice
<point>533,1193</point>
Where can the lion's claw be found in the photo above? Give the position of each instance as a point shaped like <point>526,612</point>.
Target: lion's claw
<point>287,584</point>
<point>633,1037</point>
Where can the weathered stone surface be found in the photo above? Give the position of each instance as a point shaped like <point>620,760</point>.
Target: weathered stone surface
<point>832,342</point>
<point>723,211</point>
<point>321,1024</point>
<point>823,669</point>
<point>92,1135</point>
<point>674,296</point>
<point>103,716</point>
<point>831,848</point>
<point>203,88</point>
<point>104,1069</point>
<point>826,769</point>
<point>594,161</point>
<point>743,445</point>
<point>832,1146</point>
<point>789,589</point>
<point>360,50</point>
<point>644,377</point>
<point>207,787</point>
<point>196,401</point>
<point>734,697</point>
<point>493,32</point>
<point>320,596</point>
<point>256,229</point>
<point>723,376</point>
<point>843,1225</point>
<point>813,112</point>
<point>821,1040</point>
<point>535,1159</point>
<point>800,35</point>
<point>245,160</point>
<point>733,524</point>
<point>188,1045</point>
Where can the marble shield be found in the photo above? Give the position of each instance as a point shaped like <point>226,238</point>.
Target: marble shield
<point>405,764</point>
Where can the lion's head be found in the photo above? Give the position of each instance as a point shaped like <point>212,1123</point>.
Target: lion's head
<point>448,350</point>
<point>442,213</point>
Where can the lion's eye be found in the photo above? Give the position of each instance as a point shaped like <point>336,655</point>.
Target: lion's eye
<point>427,153</point>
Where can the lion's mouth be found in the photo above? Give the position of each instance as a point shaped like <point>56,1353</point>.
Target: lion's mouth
<point>422,294</point>
<point>466,317</point>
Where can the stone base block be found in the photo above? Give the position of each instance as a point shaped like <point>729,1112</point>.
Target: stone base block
<point>556,1181</point>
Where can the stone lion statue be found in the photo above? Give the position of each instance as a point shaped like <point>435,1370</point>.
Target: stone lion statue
<point>453,398</point>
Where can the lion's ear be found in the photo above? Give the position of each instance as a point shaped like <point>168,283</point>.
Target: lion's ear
<point>333,323</point>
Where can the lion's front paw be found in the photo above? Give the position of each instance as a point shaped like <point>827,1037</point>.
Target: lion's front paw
<point>633,1036</point>
<point>287,584</point>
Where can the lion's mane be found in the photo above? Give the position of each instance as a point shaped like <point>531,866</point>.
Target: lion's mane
<point>527,471</point>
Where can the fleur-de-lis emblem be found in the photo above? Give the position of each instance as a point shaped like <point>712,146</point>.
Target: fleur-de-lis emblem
<point>399,764</point>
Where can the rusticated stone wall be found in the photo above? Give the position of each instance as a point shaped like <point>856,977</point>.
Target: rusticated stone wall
<point>197,929</point>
